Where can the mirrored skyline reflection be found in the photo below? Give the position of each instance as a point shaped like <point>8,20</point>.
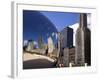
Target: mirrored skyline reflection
<point>46,23</point>
<point>56,39</point>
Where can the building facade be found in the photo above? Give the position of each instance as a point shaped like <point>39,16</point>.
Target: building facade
<point>67,37</point>
<point>69,56</point>
<point>83,42</point>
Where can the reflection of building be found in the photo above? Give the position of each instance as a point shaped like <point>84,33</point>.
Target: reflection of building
<point>50,46</point>
<point>40,42</point>
<point>83,49</point>
<point>67,37</point>
<point>68,56</point>
<point>30,45</point>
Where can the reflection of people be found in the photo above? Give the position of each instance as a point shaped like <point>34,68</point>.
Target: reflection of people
<point>61,65</point>
<point>60,51</point>
<point>46,50</point>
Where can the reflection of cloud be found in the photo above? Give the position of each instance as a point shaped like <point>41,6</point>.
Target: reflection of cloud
<point>25,42</point>
<point>53,34</point>
<point>74,27</point>
<point>35,43</point>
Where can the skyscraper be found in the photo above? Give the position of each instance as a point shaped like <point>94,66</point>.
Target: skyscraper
<point>67,37</point>
<point>83,42</point>
<point>68,56</point>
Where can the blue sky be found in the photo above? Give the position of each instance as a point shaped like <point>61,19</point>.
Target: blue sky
<point>62,19</point>
<point>43,23</point>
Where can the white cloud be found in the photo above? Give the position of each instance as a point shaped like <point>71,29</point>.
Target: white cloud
<point>89,21</point>
<point>74,27</point>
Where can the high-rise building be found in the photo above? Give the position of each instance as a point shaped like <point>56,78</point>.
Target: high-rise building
<point>65,41</point>
<point>67,37</point>
<point>69,56</point>
<point>83,42</point>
